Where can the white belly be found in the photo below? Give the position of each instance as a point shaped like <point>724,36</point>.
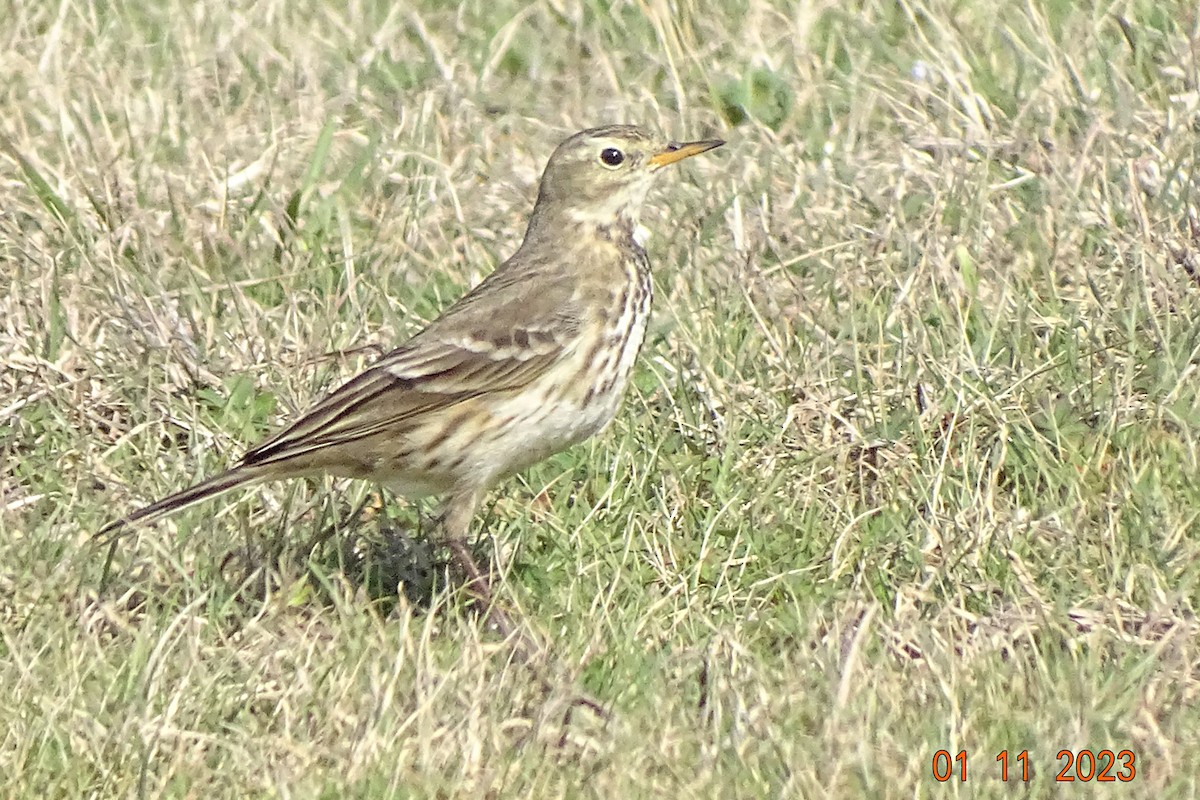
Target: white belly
<point>558,415</point>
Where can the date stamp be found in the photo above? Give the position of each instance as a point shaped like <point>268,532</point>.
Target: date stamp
<point>1082,766</point>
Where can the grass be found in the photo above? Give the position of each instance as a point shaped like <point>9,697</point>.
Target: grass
<point>909,464</point>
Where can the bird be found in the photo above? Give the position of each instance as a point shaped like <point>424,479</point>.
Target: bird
<point>533,360</point>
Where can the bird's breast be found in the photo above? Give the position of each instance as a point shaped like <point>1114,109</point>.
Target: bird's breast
<point>606,353</point>
<point>581,392</point>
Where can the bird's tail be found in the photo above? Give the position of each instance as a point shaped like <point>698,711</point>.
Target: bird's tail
<point>218,484</point>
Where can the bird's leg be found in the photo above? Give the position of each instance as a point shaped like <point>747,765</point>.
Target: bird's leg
<point>455,523</point>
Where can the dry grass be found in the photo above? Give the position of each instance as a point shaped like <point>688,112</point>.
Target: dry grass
<point>910,463</point>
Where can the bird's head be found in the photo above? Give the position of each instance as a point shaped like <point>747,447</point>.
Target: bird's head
<point>601,175</point>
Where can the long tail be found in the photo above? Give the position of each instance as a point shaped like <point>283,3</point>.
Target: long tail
<point>218,484</point>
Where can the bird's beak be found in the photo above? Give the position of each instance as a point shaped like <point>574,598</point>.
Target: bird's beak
<point>677,152</point>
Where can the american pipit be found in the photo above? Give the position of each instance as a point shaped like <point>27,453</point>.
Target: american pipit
<point>531,361</point>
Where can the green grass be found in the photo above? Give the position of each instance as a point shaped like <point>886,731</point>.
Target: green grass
<point>909,463</point>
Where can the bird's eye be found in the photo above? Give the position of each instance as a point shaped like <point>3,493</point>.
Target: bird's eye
<point>612,157</point>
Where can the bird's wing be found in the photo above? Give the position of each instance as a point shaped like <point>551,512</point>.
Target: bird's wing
<point>499,337</point>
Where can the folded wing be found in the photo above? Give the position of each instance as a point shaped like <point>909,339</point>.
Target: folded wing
<point>465,353</point>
